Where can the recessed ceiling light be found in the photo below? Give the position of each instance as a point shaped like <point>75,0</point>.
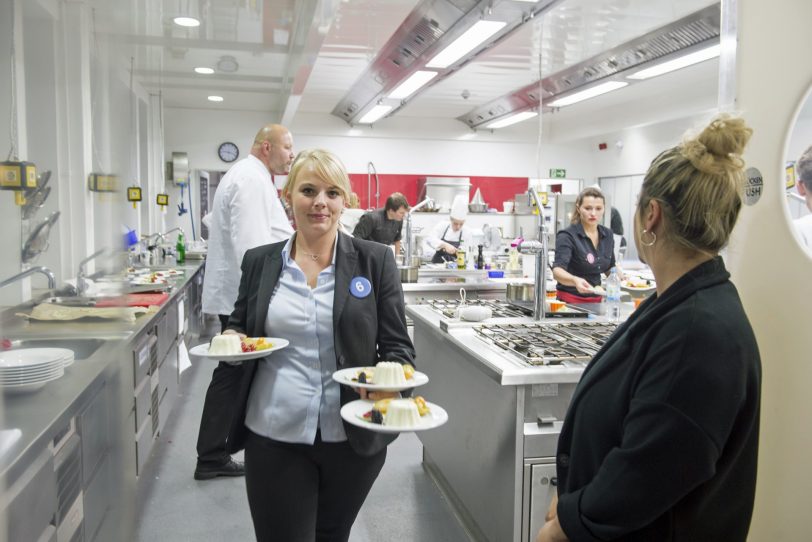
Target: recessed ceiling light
<point>375,113</point>
<point>186,21</point>
<point>215,98</point>
<point>469,40</point>
<point>681,62</point>
<point>588,93</point>
<point>204,71</point>
<point>513,119</point>
<point>410,85</point>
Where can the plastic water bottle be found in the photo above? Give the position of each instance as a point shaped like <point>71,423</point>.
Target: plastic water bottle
<point>613,296</point>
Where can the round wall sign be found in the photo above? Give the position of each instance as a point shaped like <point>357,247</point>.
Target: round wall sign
<point>228,151</point>
<point>754,186</point>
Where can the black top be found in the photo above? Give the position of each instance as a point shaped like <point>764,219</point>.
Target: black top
<point>660,441</point>
<point>575,253</point>
<point>374,226</point>
<point>366,328</point>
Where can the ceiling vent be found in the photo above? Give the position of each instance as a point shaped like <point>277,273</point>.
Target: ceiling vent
<point>428,30</point>
<point>694,32</point>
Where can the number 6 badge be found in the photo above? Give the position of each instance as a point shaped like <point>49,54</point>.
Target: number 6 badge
<point>360,287</point>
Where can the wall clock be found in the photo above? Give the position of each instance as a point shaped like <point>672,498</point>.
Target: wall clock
<point>228,151</point>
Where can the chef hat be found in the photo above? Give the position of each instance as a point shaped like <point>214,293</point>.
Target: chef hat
<point>459,207</point>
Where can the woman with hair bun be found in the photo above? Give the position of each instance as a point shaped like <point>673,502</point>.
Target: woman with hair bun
<point>583,250</point>
<point>660,441</point>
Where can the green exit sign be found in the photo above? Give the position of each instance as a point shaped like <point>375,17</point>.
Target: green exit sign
<point>558,173</point>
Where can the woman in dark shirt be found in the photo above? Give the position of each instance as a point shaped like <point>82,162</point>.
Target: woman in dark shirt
<point>660,441</point>
<point>584,250</point>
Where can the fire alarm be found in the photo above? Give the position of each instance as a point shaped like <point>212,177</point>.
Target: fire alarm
<point>602,146</point>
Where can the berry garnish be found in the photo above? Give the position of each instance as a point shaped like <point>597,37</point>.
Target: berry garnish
<point>362,378</point>
<point>376,417</point>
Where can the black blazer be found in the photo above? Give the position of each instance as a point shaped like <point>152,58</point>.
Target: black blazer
<point>365,330</point>
<point>660,441</point>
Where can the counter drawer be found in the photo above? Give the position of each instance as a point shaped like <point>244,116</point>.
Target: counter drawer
<point>145,356</point>
<point>541,440</point>
<point>29,504</point>
<point>143,399</point>
<point>143,445</point>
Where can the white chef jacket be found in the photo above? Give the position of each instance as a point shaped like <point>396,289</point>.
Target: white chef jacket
<point>246,213</point>
<point>803,226</point>
<point>432,241</point>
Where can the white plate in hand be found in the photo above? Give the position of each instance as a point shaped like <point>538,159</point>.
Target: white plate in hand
<point>202,351</point>
<point>345,376</point>
<point>353,413</point>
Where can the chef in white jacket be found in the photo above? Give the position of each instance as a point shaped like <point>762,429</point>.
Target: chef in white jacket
<point>446,237</point>
<point>246,213</point>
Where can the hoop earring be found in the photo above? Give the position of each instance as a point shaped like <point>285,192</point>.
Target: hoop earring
<point>653,238</point>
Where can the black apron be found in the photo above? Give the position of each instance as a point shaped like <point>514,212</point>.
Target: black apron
<point>441,256</point>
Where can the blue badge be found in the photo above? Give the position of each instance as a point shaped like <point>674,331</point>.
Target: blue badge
<point>360,287</point>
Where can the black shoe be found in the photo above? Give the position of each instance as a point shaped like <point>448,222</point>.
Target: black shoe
<point>231,468</point>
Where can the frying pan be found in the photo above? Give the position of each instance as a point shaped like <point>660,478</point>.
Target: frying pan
<point>38,240</point>
<point>36,197</point>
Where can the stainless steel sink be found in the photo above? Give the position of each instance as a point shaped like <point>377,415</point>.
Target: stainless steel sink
<point>82,348</point>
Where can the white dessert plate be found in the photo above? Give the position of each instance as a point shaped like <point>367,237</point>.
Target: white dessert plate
<point>627,286</point>
<point>353,413</point>
<point>26,358</point>
<point>202,351</point>
<point>345,376</point>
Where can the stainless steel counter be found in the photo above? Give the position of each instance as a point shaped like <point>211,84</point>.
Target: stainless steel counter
<point>494,458</point>
<point>34,417</point>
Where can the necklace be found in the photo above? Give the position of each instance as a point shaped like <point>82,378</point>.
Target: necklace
<point>313,257</point>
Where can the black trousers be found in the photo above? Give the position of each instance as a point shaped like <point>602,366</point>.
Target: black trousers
<point>304,493</point>
<point>218,410</point>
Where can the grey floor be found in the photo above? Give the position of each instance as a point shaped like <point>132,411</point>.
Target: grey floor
<point>404,504</point>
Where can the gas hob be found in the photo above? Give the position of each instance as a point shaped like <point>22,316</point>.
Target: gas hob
<point>548,343</point>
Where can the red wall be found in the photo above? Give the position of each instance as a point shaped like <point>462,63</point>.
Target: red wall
<point>494,190</point>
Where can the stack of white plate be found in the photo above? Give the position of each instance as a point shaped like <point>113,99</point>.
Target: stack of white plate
<point>28,369</point>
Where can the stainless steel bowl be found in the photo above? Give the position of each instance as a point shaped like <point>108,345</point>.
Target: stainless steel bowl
<point>520,292</point>
<point>478,207</point>
<point>408,273</point>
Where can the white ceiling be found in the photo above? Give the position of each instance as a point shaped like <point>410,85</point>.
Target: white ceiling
<point>304,55</point>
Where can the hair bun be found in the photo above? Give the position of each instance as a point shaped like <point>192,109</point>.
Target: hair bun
<point>718,148</point>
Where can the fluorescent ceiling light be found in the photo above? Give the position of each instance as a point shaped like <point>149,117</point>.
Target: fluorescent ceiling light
<point>186,21</point>
<point>410,85</point>
<point>588,93</point>
<point>678,63</point>
<point>375,113</point>
<point>215,98</point>
<point>513,119</point>
<point>472,37</point>
<point>204,71</point>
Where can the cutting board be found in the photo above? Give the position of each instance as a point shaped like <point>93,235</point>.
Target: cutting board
<point>134,300</point>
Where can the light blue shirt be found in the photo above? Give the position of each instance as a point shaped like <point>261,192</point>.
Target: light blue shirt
<point>293,393</point>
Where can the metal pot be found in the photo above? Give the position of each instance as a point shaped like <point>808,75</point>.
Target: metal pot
<point>408,273</point>
<point>478,207</point>
<point>521,292</point>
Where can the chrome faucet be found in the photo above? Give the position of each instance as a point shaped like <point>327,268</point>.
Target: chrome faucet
<point>30,271</point>
<point>81,283</point>
<point>408,248</point>
<point>539,248</point>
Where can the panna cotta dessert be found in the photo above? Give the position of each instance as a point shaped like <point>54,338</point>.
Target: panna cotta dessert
<point>225,345</point>
<point>401,413</point>
<point>389,373</point>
